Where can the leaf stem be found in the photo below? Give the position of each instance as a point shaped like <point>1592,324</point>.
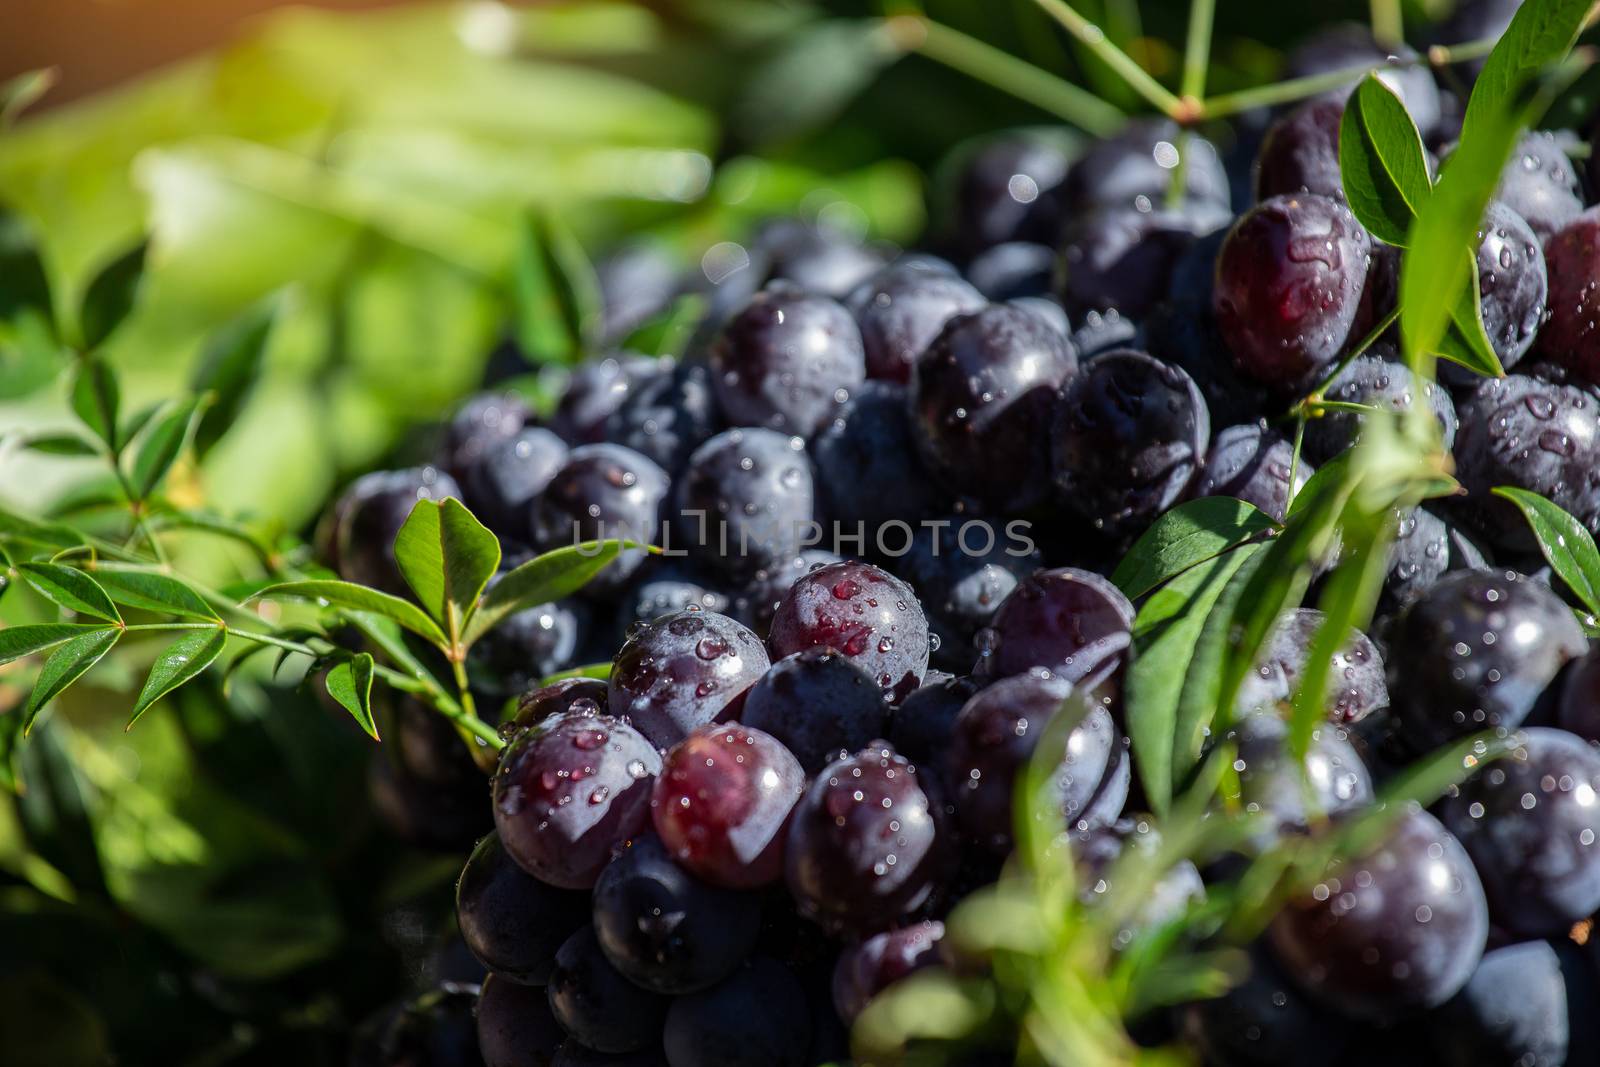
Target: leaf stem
<point>1139,80</point>
<point>1197,49</point>
<point>1314,398</point>
<point>1388,26</point>
<point>1294,89</point>
<point>985,63</point>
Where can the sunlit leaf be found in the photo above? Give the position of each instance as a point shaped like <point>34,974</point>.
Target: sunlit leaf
<point>1381,161</point>
<point>110,297</point>
<point>59,444</point>
<point>446,555</point>
<point>350,683</point>
<point>1466,341</point>
<point>66,665</point>
<point>179,662</point>
<point>557,294</point>
<point>228,370</point>
<point>69,588</point>
<point>19,641</point>
<point>543,579</point>
<point>1564,541</point>
<point>153,592</point>
<point>1185,536</point>
<point>1540,34</point>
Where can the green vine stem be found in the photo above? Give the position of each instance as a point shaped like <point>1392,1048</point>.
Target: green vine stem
<point>1023,80</point>
<point>1197,51</point>
<point>1139,80</point>
<point>1388,25</point>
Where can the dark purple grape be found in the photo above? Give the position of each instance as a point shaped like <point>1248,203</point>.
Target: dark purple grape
<point>1128,434</point>
<point>961,570</point>
<point>484,421</point>
<point>1425,548</point>
<point>994,738</point>
<point>602,491</point>
<point>1513,283</point>
<point>981,397</point>
<point>1529,822</point>
<point>787,361</point>
<point>637,282</point>
<point>515,1025</point>
<point>370,513</point>
<point>666,930</point>
<point>1101,331</point>
<point>867,467</point>
<point>570,790</point>
<point>1350,46</point>
<point>901,309</point>
<point>1166,898</point>
<point>865,970</point>
<point>1334,779</point>
<point>572,1054</point>
<point>745,501</point>
<point>1539,183</point>
<point>1537,435</point>
<point>756,1018</point>
<point>1134,170</point>
<point>1071,622</point>
<point>666,416</point>
<point>1288,287</point>
<point>435,1029</point>
<point>529,645</point>
<point>684,670</point>
<point>1476,652</point>
<point>1374,381</point>
<point>1513,1010</point>
<point>865,846</point>
<point>1120,260</point>
<point>596,1005</point>
<point>664,587</point>
<point>501,482</point>
<point>1300,153</point>
<point>722,803</point>
<point>1396,930</point>
<point>756,603</point>
<point>595,390</point>
<point>1184,334</point>
<point>1012,270</point>
<point>923,725</point>
<point>1253,464</point>
<point>1264,1021</point>
<point>864,612</point>
<point>1008,190</point>
<point>578,696</point>
<point>512,922</point>
<point>1356,686</point>
<point>818,259</point>
<point>819,704</point>
<point>1571,335</point>
<point>1047,309</point>
<point>1578,708</point>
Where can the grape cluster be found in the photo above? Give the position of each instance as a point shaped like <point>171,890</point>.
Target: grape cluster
<point>890,490</point>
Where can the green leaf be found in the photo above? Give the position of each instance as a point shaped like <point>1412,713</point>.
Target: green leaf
<point>162,446</point>
<point>1540,35</point>
<point>134,424</point>
<point>110,297</point>
<point>668,333</point>
<point>1189,534</point>
<point>1564,541</point>
<point>153,592</point>
<point>19,93</point>
<point>350,683</point>
<point>543,579</point>
<point>446,556</point>
<point>1200,701</point>
<point>228,370</point>
<point>1381,161</point>
<point>60,444</point>
<point>48,535</point>
<point>19,641</point>
<point>96,397</point>
<point>557,297</point>
<point>70,588</point>
<point>359,598</point>
<point>179,662</point>
<point>386,635</point>
<point>1466,341</point>
<point>1165,633</point>
<point>66,665</point>
<point>810,78</point>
